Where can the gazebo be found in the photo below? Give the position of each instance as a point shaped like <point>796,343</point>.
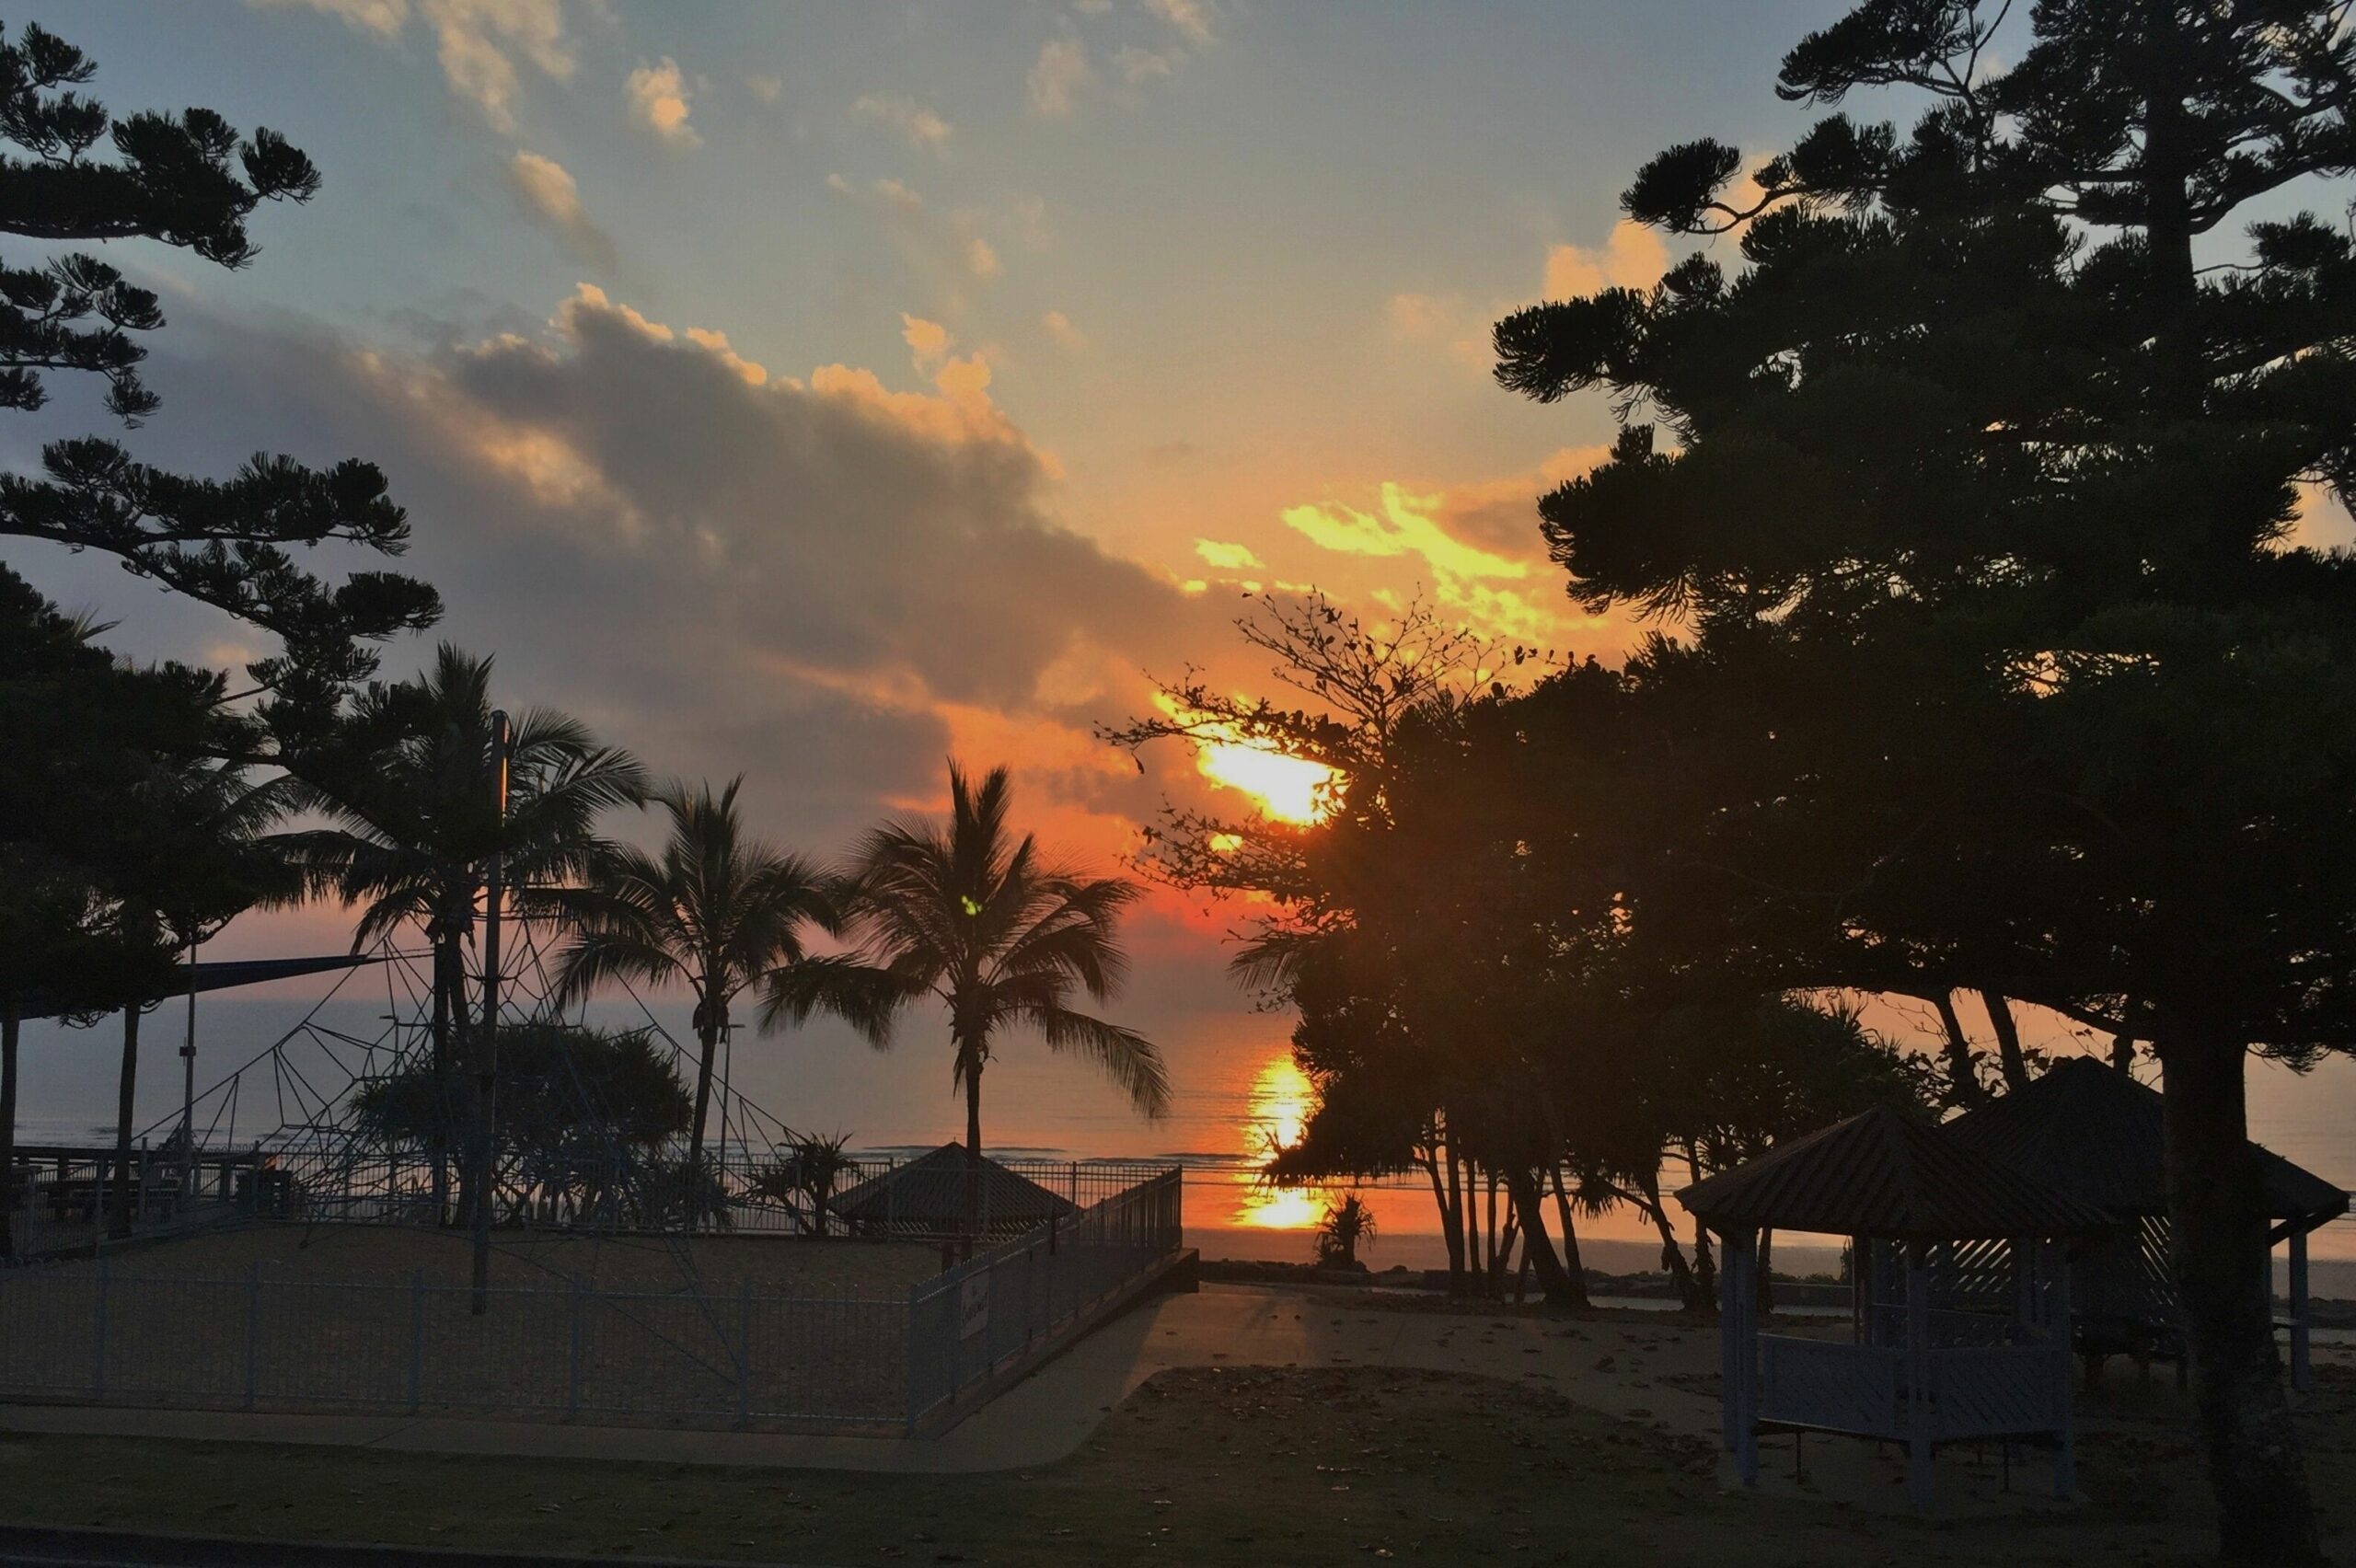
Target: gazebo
<point>1912,1201</point>
<point>2097,1133</point>
<point>928,1197</point>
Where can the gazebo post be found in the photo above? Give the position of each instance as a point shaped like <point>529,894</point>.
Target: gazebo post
<point>1738,1344</point>
<point>1861,1292</point>
<point>2302,1371</point>
<point>2065,1461</point>
<point>1919,1490</point>
<point>1729,1334</point>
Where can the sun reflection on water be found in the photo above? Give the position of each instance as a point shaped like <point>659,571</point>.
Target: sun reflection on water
<point>1279,1106</point>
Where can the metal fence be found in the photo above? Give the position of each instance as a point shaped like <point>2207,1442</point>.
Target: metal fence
<point>988,1312</point>
<point>110,1332</point>
<point>62,1197</point>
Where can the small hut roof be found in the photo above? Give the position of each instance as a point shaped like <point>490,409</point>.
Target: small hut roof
<point>2097,1133</point>
<point>930,1189</point>
<point>1881,1174</point>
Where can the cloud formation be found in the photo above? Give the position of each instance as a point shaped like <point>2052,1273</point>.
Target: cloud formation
<point>658,100</point>
<point>550,193</point>
<point>1191,19</point>
<point>476,42</point>
<point>1484,586</point>
<point>1632,256</point>
<point>1067,336</point>
<point>946,252</point>
<point>918,126</point>
<point>830,581</point>
<point>1057,77</point>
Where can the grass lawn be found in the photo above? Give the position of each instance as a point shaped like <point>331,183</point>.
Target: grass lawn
<point>1209,1466</point>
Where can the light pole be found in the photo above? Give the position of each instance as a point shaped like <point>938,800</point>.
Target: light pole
<point>487,1047</point>
<point>188,1087</point>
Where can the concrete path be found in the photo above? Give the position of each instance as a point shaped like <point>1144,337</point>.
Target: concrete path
<point>1615,1367</point>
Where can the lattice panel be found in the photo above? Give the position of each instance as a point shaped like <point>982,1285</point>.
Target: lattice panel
<point>1988,1389</point>
<point>1841,1387</point>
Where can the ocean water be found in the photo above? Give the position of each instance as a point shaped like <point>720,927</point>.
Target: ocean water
<point>1234,1090</point>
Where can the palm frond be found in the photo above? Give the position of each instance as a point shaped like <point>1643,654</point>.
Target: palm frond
<point>1127,1057</point>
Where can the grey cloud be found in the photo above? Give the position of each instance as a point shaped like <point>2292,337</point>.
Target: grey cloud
<point>776,578</point>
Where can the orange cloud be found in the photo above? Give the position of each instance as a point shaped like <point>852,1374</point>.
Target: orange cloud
<point>1632,256</point>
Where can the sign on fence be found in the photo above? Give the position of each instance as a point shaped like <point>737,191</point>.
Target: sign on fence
<point>974,1306</point>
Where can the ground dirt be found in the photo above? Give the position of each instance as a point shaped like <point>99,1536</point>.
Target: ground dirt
<point>1215,1465</point>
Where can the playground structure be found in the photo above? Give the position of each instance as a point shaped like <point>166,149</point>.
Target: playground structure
<point>1019,1257</point>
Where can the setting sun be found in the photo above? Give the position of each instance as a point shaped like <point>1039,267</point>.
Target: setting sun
<point>1281,1099</point>
<point>1289,788</point>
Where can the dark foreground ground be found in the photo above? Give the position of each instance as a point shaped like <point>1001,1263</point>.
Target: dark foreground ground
<point>1208,1465</point>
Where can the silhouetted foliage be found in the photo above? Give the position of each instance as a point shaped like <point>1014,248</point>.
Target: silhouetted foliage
<point>1970,495</point>
<point>185,180</point>
<point>716,909</point>
<point>409,792</point>
<point>806,1177</point>
<point>1346,1224</point>
<point>585,1119</point>
<point>969,917</point>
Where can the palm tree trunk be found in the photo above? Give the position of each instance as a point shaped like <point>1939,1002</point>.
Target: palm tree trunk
<point>119,1225</point>
<point>8,1031</point>
<point>973,1153</point>
<point>708,1038</point>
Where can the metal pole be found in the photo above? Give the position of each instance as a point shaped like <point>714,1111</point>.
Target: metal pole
<point>2303,1370</point>
<point>487,1048</point>
<point>187,1085</point>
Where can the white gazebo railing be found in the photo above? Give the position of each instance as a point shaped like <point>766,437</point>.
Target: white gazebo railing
<point>1832,1387</point>
<point>1999,1390</point>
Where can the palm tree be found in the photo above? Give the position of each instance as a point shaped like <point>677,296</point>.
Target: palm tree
<point>717,910</point>
<point>411,793</point>
<point>969,917</point>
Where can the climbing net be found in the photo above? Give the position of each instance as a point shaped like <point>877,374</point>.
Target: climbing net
<point>342,1125</point>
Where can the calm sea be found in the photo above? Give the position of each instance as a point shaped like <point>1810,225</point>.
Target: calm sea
<point>1235,1088</point>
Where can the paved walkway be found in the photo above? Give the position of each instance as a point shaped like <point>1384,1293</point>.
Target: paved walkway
<point>1614,1366</point>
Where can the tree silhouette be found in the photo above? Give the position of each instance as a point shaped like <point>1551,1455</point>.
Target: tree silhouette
<point>2000,669</point>
<point>187,181</point>
<point>409,792</point>
<point>108,824</point>
<point>970,917</point>
<point>716,908</point>
<point>583,1118</point>
<point>195,854</point>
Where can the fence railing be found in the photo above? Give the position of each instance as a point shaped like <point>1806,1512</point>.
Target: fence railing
<point>977,1319</point>
<point>111,1332</point>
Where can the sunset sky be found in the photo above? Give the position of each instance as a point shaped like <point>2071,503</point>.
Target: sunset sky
<point>813,392</point>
